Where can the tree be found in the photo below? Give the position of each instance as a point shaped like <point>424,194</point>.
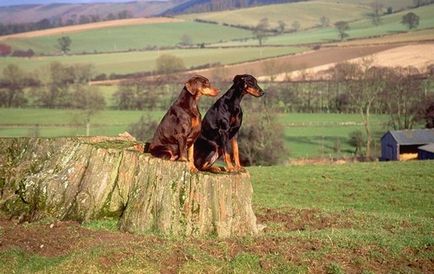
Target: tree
<point>89,99</point>
<point>186,40</point>
<point>324,21</point>
<point>429,115</point>
<point>295,26</point>
<point>12,87</point>
<point>261,29</point>
<point>281,25</point>
<point>356,140</point>
<point>261,139</point>
<point>377,8</point>
<point>342,27</point>
<point>404,98</point>
<point>135,95</point>
<point>5,50</point>
<point>411,20</point>
<point>64,44</point>
<point>144,129</point>
<point>168,63</point>
<point>364,84</point>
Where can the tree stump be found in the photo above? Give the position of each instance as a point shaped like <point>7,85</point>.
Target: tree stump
<point>90,178</point>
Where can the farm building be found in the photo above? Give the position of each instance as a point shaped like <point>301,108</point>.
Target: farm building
<point>404,144</point>
<point>426,152</point>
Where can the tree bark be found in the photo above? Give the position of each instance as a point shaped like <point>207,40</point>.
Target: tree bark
<point>89,178</point>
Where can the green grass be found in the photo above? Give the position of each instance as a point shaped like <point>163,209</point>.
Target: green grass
<point>322,135</point>
<point>125,38</point>
<point>130,62</point>
<point>360,29</point>
<point>306,135</point>
<point>389,188</point>
<point>308,14</point>
<point>352,218</point>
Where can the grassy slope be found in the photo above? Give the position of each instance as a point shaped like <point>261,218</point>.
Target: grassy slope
<point>132,37</point>
<point>355,218</point>
<point>129,62</point>
<point>306,135</point>
<point>359,29</point>
<point>307,13</point>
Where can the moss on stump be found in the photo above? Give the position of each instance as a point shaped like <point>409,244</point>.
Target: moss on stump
<point>89,178</point>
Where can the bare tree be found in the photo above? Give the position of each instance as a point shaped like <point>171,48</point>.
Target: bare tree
<point>281,26</point>
<point>377,9</point>
<point>364,83</point>
<point>12,86</point>
<point>261,30</point>
<point>295,26</point>
<point>186,40</point>
<point>64,44</point>
<point>168,63</point>
<point>324,21</point>
<point>403,97</point>
<point>342,28</point>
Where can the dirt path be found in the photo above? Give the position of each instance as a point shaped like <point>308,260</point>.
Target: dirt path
<point>98,25</point>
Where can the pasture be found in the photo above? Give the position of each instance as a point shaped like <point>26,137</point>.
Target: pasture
<point>131,37</point>
<point>391,24</point>
<point>140,61</point>
<point>307,135</point>
<point>307,13</point>
<point>351,218</point>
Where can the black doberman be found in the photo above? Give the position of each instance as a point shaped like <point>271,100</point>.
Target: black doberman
<point>180,126</point>
<point>221,124</point>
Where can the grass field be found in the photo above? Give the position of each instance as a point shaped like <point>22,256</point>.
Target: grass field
<point>359,29</point>
<point>124,38</point>
<point>306,13</point>
<point>306,135</point>
<point>352,218</point>
<point>130,62</point>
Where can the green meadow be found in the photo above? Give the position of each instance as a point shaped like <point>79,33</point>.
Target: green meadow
<point>136,37</point>
<point>390,24</point>
<point>140,61</point>
<point>307,13</point>
<point>352,218</point>
<point>307,135</point>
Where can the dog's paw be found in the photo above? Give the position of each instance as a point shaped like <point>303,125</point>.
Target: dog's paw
<point>193,169</point>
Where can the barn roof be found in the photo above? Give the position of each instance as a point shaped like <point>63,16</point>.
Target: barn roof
<point>413,136</point>
<point>429,148</point>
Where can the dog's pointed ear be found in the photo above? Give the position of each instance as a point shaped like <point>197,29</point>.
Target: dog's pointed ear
<point>191,86</point>
<point>238,78</point>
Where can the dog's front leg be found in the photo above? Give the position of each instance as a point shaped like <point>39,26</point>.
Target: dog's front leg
<point>226,155</point>
<point>190,154</point>
<point>234,143</point>
<point>182,150</point>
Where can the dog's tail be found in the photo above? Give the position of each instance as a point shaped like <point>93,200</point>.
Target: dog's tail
<point>205,153</point>
<point>147,148</point>
<point>162,152</point>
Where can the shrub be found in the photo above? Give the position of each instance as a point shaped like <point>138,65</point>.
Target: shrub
<point>261,139</point>
<point>143,129</point>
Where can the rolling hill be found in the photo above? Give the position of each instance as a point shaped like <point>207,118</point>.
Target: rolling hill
<point>307,13</point>
<point>32,11</point>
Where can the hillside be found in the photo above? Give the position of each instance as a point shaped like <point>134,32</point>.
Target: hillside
<point>39,10</point>
<point>34,13</point>
<point>307,13</point>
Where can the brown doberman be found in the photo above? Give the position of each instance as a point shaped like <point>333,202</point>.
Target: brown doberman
<point>175,135</point>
